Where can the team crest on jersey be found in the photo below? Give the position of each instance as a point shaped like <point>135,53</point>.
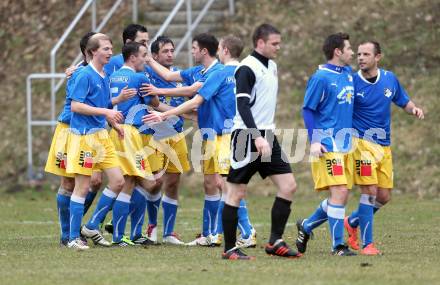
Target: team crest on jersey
<point>86,159</point>
<point>350,78</point>
<point>363,167</point>
<point>179,84</point>
<point>334,167</point>
<point>61,160</point>
<point>388,92</point>
<point>140,162</point>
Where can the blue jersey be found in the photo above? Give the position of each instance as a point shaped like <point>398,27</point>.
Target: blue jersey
<point>198,73</point>
<point>116,62</point>
<point>174,101</point>
<point>94,90</point>
<point>66,113</point>
<point>372,105</point>
<point>329,94</point>
<point>134,108</point>
<point>218,108</point>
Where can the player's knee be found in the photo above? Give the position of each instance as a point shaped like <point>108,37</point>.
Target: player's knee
<point>383,196</point>
<point>288,187</point>
<point>68,184</point>
<point>96,183</point>
<point>117,183</point>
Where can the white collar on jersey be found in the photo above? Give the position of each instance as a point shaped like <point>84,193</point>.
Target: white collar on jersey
<point>128,67</point>
<point>366,81</point>
<point>94,68</point>
<point>204,70</point>
<point>233,62</point>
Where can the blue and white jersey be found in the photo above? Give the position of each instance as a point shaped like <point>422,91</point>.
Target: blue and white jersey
<point>198,73</point>
<point>66,113</point>
<point>175,101</point>
<point>218,109</point>
<point>134,108</point>
<point>372,105</point>
<point>93,89</point>
<point>116,62</point>
<point>329,94</point>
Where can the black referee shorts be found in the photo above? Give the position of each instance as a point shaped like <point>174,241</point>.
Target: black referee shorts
<point>245,161</point>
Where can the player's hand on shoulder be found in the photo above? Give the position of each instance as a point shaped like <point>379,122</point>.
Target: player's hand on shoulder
<point>149,90</point>
<point>70,70</point>
<point>418,112</point>
<point>317,149</point>
<point>263,147</point>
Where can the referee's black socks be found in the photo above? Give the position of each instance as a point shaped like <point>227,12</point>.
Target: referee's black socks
<point>230,223</point>
<point>280,215</point>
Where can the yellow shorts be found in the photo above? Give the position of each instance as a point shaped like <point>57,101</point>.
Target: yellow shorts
<point>333,168</point>
<point>373,164</point>
<point>151,149</point>
<point>217,155</point>
<point>174,153</point>
<point>88,153</point>
<point>57,158</point>
<point>130,152</point>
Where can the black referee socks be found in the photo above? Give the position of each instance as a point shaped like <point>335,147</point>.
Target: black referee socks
<point>280,215</point>
<point>230,223</point>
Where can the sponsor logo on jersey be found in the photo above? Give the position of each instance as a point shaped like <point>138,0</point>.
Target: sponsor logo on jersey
<point>61,160</point>
<point>86,159</point>
<point>363,167</point>
<point>334,167</point>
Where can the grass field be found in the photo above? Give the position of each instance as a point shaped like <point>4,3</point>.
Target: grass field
<point>406,230</point>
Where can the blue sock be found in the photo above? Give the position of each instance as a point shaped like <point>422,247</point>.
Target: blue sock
<point>153,204</point>
<point>243,220</point>
<point>138,206</point>
<point>353,219</point>
<point>336,214</point>
<point>105,203</point>
<point>366,206</point>
<point>169,207</point>
<point>76,215</point>
<point>89,200</point>
<point>317,218</point>
<point>219,225</point>
<point>63,206</point>
<point>121,208</point>
<point>210,209</point>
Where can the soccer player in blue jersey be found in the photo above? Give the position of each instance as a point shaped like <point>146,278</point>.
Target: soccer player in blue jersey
<point>132,33</point>
<point>162,50</point>
<point>216,108</point>
<point>56,161</point>
<point>375,91</point>
<point>327,112</point>
<point>89,146</point>
<point>130,150</point>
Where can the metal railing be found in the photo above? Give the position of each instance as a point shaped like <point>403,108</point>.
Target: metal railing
<point>92,6</point>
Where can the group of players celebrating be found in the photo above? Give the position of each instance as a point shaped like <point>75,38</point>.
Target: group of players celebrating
<point>145,99</point>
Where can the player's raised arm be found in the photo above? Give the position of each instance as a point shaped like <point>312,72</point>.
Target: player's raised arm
<point>184,91</point>
<point>163,72</point>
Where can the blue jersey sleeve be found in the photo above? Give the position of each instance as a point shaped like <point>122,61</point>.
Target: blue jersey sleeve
<point>212,85</point>
<point>315,90</point>
<point>400,97</point>
<point>188,75</point>
<point>143,79</point>
<point>80,88</point>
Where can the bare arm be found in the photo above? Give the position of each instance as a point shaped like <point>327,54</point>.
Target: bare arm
<point>164,72</point>
<point>412,109</point>
<point>184,91</point>
<point>188,116</point>
<point>186,107</point>
<point>112,116</point>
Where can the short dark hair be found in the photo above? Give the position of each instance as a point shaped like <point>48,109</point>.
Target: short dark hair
<point>234,45</point>
<point>130,32</point>
<point>377,49</point>
<point>332,42</point>
<point>263,32</point>
<point>160,41</point>
<point>129,49</point>
<point>207,41</point>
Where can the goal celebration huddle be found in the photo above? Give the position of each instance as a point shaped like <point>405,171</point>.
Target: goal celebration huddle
<point>124,118</point>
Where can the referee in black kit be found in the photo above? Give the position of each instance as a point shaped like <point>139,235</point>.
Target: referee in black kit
<point>255,147</point>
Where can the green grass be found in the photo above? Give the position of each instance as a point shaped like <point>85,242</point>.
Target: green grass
<point>406,230</point>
